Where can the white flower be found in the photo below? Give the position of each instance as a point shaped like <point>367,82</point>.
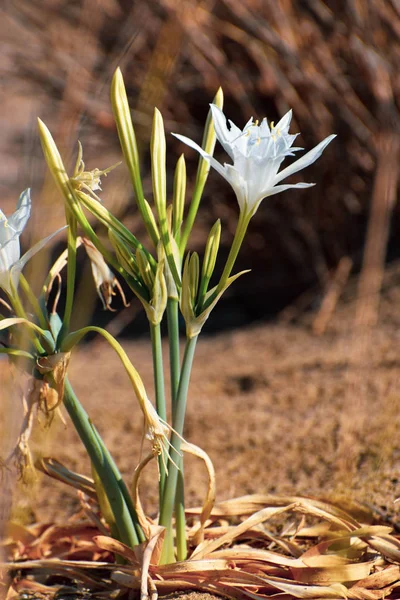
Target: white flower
<point>11,262</point>
<point>257,153</point>
<point>10,252</point>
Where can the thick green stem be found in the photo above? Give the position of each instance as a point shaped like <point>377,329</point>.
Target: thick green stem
<point>106,470</point>
<point>123,487</point>
<point>158,371</point>
<point>180,517</point>
<point>178,424</point>
<point>174,351</point>
<point>174,364</point>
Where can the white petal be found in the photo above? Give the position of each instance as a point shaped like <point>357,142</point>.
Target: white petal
<point>5,281</point>
<point>213,162</point>
<point>223,134</point>
<point>284,123</point>
<point>11,251</point>
<point>238,184</point>
<point>17,267</point>
<point>20,218</point>
<point>281,188</point>
<point>7,233</point>
<point>277,190</point>
<point>305,160</point>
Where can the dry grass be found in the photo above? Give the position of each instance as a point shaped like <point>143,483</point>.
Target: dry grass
<point>251,547</point>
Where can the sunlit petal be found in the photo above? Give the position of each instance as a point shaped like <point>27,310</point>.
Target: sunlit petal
<point>20,218</point>
<point>305,160</point>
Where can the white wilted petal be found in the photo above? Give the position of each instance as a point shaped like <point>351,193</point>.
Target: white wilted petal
<point>104,279</point>
<point>10,231</point>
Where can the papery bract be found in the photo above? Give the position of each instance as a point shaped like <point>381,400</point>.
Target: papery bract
<point>257,152</point>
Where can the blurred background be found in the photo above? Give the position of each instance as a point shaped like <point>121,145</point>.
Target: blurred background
<point>335,63</point>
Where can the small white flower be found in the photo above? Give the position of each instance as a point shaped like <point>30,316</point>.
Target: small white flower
<point>11,264</point>
<point>257,153</point>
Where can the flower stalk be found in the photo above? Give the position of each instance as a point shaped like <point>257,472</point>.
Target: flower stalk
<point>158,370</point>
<point>167,507</point>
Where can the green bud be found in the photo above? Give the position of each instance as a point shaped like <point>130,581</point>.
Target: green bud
<point>210,257</point>
<point>151,219</point>
<point>194,269</point>
<point>173,291</point>
<point>178,200</point>
<point>129,147</point>
<point>145,271</point>
<point>160,292</point>
<point>190,284</point>
<point>55,162</point>
<point>124,254</point>
<point>208,144</point>
<point>158,166</point>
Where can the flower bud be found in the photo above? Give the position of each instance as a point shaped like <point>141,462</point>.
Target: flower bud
<point>210,257</point>
<point>190,284</point>
<point>178,200</point>
<point>124,254</point>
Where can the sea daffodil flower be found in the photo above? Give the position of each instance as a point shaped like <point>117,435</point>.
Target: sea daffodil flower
<point>11,262</point>
<point>257,152</point>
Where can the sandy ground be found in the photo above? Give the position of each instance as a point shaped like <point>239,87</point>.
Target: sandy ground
<point>277,408</point>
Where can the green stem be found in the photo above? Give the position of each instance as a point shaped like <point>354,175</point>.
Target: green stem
<point>243,223</point>
<point>174,351</point>
<point>33,302</point>
<point>178,424</point>
<point>180,517</point>
<point>100,459</point>
<point>174,363</point>
<point>158,371</point>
